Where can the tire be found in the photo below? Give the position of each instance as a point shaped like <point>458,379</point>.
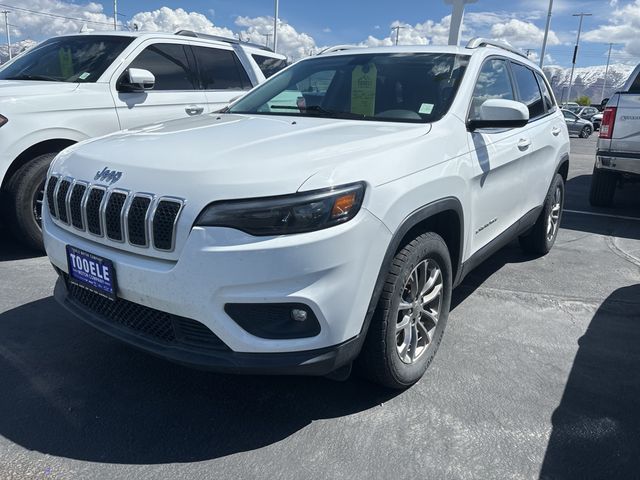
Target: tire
<point>542,236</point>
<point>603,188</point>
<point>586,132</point>
<point>21,193</point>
<point>380,359</point>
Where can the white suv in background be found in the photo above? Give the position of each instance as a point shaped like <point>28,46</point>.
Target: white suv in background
<point>71,88</point>
<point>324,217</point>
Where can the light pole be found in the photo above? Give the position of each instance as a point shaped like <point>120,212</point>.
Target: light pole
<point>275,27</point>
<point>575,51</point>
<point>606,72</point>
<point>6,26</point>
<point>115,14</point>
<point>546,33</point>
<point>455,26</point>
<point>397,29</point>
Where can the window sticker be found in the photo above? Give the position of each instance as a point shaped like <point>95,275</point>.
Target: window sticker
<point>84,76</point>
<point>363,89</point>
<point>426,108</point>
<point>66,62</point>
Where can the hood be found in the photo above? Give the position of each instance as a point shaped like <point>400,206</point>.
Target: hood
<point>232,156</point>
<point>26,88</point>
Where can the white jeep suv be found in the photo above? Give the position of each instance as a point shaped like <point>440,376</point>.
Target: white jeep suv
<point>323,218</point>
<point>75,87</point>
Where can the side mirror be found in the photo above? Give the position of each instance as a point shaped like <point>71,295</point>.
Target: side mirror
<point>499,113</point>
<point>136,80</point>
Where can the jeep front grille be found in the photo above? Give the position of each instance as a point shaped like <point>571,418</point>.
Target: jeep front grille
<point>140,219</point>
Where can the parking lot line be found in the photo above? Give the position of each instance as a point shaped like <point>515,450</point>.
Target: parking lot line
<point>621,217</point>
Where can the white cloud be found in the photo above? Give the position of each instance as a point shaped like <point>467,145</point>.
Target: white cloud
<point>426,33</point>
<point>292,43</point>
<point>521,34</point>
<point>166,19</point>
<point>326,30</point>
<point>623,28</point>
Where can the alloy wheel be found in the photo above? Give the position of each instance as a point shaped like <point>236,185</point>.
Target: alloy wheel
<point>554,215</point>
<point>38,200</point>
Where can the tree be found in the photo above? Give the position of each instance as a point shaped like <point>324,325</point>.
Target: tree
<point>583,100</point>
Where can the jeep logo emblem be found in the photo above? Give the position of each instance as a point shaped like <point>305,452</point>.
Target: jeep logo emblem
<point>108,176</point>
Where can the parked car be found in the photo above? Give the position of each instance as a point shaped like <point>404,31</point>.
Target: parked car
<point>71,88</point>
<point>618,151</point>
<point>586,113</point>
<point>324,217</point>
<point>597,121</point>
<point>576,125</point>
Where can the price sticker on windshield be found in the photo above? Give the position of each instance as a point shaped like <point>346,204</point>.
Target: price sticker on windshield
<point>363,89</point>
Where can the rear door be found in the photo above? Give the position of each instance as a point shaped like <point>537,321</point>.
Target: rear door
<point>221,75</point>
<point>497,155</point>
<point>176,93</point>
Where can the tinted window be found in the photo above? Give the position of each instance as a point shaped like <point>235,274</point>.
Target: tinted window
<point>569,115</point>
<point>220,69</point>
<point>391,87</point>
<point>493,82</point>
<point>269,65</point>
<point>546,95</point>
<point>635,86</point>
<point>528,89</point>
<point>169,64</point>
<point>67,59</point>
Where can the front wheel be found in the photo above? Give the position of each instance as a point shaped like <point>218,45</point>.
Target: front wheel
<point>586,132</point>
<point>544,232</point>
<point>411,315</point>
<point>25,192</point>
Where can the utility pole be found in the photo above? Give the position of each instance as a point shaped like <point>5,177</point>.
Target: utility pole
<point>267,37</point>
<point>575,50</point>
<point>546,33</point>
<point>455,25</point>
<point>115,14</point>
<point>397,29</point>
<point>606,71</point>
<point>6,26</point>
<point>275,27</point>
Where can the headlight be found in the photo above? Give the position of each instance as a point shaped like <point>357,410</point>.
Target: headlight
<point>3,120</point>
<point>298,213</point>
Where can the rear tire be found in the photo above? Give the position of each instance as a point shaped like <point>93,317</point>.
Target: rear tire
<point>586,132</point>
<point>540,239</point>
<point>603,188</point>
<point>411,315</point>
<point>25,195</point>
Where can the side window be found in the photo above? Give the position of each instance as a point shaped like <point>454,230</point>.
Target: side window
<point>528,89</point>
<point>269,65</point>
<point>568,115</point>
<point>493,82</point>
<point>549,104</point>
<point>635,86</point>
<point>220,69</point>
<point>168,63</point>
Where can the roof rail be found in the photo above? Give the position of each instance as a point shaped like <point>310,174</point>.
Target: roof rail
<point>484,42</point>
<point>338,48</point>
<point>235,41</point>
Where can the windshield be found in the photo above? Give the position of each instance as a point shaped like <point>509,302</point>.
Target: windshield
<point>67,59</point>
<point>397,87</point>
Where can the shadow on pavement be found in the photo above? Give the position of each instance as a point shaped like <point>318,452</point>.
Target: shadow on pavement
<point>70,391</point>
<point>10,248</point>
<point>596,427</point>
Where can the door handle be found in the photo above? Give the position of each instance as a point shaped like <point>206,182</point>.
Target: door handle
<point>524,143</point>
<point>555,131</point>
<point>194,110</point>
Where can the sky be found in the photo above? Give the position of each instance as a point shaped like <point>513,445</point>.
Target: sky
<point>307,26</point>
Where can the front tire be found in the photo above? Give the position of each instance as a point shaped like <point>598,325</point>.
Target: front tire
<point>411,315</point>
<point>603,188</point>
<point>542,236</point>
<point>25,198</point>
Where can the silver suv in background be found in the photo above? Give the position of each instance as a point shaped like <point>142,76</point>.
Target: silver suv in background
<point>75,87</point>
<point>618,153</point>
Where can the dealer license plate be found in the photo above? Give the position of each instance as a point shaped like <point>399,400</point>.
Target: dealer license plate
<point>92,272</point>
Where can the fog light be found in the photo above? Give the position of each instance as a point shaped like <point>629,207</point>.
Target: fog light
<point>298,315</point>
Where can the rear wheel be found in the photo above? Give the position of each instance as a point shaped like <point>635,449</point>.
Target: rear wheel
<point>25,198</point>
<point>409,321</point>
<point>586,132</point>
<point>543,234</point>
<point>603,187</point>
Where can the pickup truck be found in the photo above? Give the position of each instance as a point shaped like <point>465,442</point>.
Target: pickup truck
<point>618,152</point>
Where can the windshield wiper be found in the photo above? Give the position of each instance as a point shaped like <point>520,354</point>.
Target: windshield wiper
<point>34,77</point>
<point>320,110</point>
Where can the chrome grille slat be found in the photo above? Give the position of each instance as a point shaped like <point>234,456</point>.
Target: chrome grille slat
<point>142,220</point>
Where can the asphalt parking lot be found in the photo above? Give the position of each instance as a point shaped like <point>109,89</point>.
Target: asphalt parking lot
<point>538,376</point>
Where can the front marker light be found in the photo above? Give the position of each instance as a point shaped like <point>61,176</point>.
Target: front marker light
<point>3,120</point>
<point>297,213</point>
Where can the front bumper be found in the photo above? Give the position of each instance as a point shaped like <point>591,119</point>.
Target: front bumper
<point>332,271</point>
<point>619,162</point>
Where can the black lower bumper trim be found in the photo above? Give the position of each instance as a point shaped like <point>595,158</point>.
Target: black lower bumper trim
<point>311,362</point>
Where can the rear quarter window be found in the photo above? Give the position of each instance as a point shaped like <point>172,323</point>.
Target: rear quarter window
<point>269,65</point>
<point>635,86</point>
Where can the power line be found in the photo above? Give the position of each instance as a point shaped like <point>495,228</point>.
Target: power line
<point>53,15</point>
